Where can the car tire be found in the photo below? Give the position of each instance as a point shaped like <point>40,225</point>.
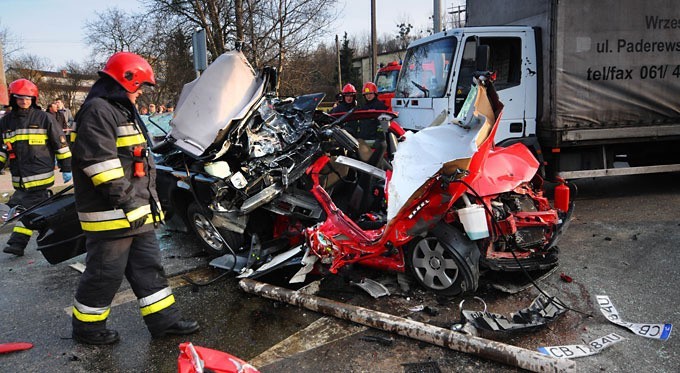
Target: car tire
<point>438,268</point>
<point>199,221</point>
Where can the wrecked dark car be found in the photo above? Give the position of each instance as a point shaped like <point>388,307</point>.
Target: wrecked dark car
<point>231,168</point>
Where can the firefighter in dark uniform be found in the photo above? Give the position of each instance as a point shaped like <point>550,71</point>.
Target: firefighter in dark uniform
<point>118,208</point>
<point>349,100</point>
<point>370,93</point>
<point>369,129</point>
<point>31,139</point>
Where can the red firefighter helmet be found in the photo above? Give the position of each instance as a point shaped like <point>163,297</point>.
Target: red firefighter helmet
<point>370,87</point>
<point>349,90</point>
<point>129,70</point>
<point>23,87</point>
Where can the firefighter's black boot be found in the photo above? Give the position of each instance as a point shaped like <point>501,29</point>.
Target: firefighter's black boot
<point>182,327</point>
<point>14,249</point>
<point>96,337</point>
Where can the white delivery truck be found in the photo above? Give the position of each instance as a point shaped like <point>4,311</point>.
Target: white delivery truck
<point>592,86</point>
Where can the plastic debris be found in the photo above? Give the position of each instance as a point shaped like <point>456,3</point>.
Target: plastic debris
<point>541,312</point>
<point>565,278</point>
<point>14,346</point>
<point>372,287</point>
<point>195,359</point>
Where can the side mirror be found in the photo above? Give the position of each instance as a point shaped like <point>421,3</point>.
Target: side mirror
<point>482,56</point>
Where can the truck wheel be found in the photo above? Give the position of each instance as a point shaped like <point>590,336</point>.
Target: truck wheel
<point>437,268</point>
<point>199,221</point>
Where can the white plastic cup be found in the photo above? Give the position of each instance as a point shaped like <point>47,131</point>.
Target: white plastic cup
<point>473,218</point>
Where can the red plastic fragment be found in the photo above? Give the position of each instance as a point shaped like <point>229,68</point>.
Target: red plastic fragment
<point>565,278</point>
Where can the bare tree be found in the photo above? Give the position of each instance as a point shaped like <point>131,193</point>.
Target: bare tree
<point>113,30</point>
<point>273,29</point>
<point>276,33</point>
<point>27,66</point>
<point>74,79</point>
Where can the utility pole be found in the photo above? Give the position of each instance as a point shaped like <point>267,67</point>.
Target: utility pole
<point>457,13</point>
<point>337,55</point>
<point>238,13</point>
<point>437,17</point>
<point>374,43</point>
<point>4,98</point>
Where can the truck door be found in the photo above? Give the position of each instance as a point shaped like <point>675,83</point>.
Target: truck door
<point>506,60</point>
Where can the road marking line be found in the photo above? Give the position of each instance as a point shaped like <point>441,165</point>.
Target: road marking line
<point>319,333</point>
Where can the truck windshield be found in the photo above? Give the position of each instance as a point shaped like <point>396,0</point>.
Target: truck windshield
<point>426,69</point>
<point>387,80</point>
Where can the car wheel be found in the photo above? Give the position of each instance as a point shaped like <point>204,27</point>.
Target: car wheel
<point>199,221</point>
<point>437,268</point>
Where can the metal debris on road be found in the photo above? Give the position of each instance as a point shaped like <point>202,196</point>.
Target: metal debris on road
<point>78,266</point>
<point>388,342</point>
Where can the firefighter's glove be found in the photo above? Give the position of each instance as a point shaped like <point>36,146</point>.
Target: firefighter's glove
<point>136,217</point>
<point>67,176</point>
<point>137,223</point>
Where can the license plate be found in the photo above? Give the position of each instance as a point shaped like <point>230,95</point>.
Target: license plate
<point>654,331</point>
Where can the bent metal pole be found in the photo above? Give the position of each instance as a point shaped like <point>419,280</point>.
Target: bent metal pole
<point>500,352</point>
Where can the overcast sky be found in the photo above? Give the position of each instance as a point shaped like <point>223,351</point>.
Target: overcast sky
<point>53,29</point>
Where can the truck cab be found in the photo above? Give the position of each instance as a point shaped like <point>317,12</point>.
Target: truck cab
<point>386,81</point>
<point>436,76</point>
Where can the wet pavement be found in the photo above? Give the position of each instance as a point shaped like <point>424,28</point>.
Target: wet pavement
<point>622,243</point>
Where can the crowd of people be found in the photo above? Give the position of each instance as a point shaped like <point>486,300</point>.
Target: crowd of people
<point>152,109</point>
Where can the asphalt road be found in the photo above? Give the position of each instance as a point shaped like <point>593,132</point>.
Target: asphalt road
<point>622,242</point>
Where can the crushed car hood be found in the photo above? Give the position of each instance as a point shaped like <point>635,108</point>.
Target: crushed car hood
<point>224,93</point>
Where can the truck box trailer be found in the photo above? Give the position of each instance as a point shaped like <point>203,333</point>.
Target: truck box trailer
<point>593,86</point>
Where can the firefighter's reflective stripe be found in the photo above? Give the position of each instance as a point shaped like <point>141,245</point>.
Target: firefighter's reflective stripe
<point>130,140</point>
<point>63,153</point>
<point>138,212</point>
<point>73,136</point>
<point>157,301</point>
<point>33,181</point>
<point>110,220</point>
<point>90,314</point>
<point>3,158</point>
<point>36,136</point>
<point>103,220</point>
<point>25,131</point>
<point>103,172</point>
<point>128,130</point>
<point>38,139</point>
<point>22,230</point>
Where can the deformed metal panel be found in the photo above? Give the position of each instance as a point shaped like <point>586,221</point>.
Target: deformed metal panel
<point>223,93</point>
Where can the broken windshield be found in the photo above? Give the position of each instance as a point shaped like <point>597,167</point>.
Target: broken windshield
<point>426,69</point>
